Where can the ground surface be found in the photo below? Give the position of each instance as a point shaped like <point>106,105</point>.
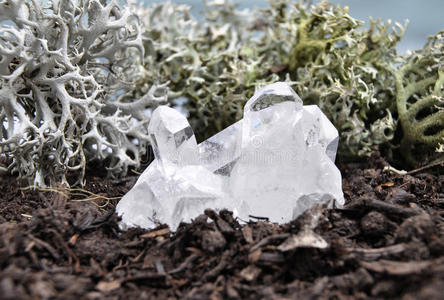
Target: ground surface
<point>387,242</point>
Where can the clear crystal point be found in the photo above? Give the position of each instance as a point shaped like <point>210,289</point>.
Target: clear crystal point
<point>270,95</point>
<point>270,105</point>
<point>323,132</point>
<point>219,153</point>
<point>174,188</point>
<point>172,137</point>
<point>276,162</point>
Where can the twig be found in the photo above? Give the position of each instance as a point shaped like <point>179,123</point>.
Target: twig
<point>159,267</point>
<point>394,170</point>
<point>185,264</point>
<point>383,207</point>
<point>431,165</point>
<point>70,192</point>
<point>156,233</point>
<point>150,277</point>
<point>220,266</point>
<point>374,254</point>
<point>268,240</point>
<point>401,268</point>
<point>65,246</point>
<point>259,218</point>
<point>45,245</point>
<point>123,180</point>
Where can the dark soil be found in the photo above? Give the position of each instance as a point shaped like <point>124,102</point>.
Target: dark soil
<point>387,242</point>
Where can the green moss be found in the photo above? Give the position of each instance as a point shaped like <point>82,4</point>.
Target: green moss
<point>351,70</point>
<point>420,102</point>
<point>344,68</point>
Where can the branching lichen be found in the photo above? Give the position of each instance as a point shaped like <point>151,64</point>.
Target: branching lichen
<point>334,61</point>
<point>213,65</point>
<point>343,67</point>
<point>77,78</point>
<point>420,102</point>
<point>66,73</point>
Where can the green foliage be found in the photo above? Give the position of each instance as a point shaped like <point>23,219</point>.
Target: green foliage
<point>342,67</point>
<point>420,102</point>
<point>214,64</point>
<point>333,60</point>
<point>76,77</point>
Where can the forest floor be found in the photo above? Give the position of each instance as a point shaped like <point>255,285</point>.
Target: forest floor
<point>386,242</point>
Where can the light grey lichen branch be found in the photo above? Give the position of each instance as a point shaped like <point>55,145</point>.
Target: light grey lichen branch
<point>66,78</point>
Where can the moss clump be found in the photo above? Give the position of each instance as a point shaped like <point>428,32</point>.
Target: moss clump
<point>420,102</point>
<point>332,59</point>
<point>344,68</point>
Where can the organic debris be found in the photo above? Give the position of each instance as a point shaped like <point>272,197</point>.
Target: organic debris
<point>388,241</point>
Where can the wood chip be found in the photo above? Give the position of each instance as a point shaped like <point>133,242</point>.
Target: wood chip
<point>156,233</point>
<point>375,204</point>
<point>250,273</point>
<point>270,258</point>
<point>374,254</point>
<point>269,239</point>
<point>254,256</point>
<point>72,241</point>
<point>108,286</point>
<point>30,246</point>
<point>224,227</point>
<point>247,232</point>
<point>401,268</point>
<point>304,239</point>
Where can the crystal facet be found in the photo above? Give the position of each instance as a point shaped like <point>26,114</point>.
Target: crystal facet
<point>172,138</point>
<point>276,162</point>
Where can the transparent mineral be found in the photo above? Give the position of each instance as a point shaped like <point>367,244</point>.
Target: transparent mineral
<point>276,162</point>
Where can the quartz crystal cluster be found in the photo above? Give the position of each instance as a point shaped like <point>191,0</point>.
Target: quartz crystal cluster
<point>276,162</point>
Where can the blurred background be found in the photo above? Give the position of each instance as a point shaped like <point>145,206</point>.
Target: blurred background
<point>425,17</point>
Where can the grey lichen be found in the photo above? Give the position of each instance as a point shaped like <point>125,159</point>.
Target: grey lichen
<point>212,63</point>
<point>77,78</point>
<point>66,76</point>
<point>333,60</point>
<point>349,69</point>
<point>344,68</point>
